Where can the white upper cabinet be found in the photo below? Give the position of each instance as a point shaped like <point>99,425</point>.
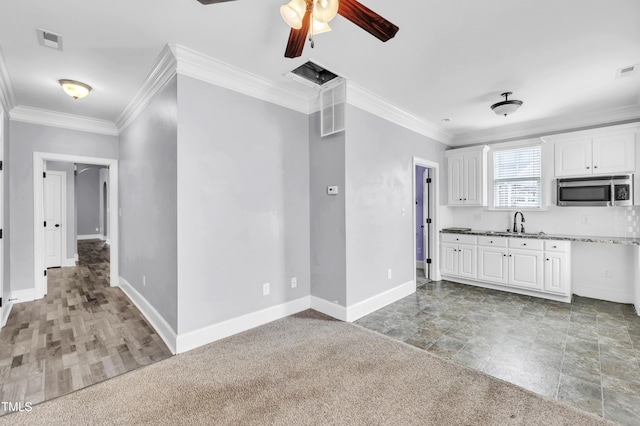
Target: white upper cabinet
<point>467,176</point>
<point>596,154</point>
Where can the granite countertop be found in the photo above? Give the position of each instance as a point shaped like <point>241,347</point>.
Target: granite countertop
<point>544,236</point>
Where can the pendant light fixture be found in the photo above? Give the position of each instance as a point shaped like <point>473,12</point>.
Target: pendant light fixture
<point>507,106</point>
<point>75,89</point>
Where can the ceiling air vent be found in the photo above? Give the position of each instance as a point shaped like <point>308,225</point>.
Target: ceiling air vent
<point>312,74</point>
<point>627,71</point>
<point>49,39</point>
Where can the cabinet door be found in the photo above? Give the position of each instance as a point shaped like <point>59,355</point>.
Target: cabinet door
<point>454,179</point>
<point>556,273</point>
<point>573,158</point>
<point>493,265</point>
<point>614,154</point>
<point>449,259</point>
<point>467,261</point>
<point>472,179</point>
<point>525,268</point>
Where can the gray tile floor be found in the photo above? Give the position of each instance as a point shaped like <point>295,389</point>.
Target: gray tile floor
<point>586,354</point>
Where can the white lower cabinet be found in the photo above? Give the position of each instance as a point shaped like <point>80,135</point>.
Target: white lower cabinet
<point>530,264</point>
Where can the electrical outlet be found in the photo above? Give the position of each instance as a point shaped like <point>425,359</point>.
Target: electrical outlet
<point>585,219</point>
<point>97,229</point>
<point>389,274</point>
<point>477,217</point>
<point>144,281</point>
<point>266,289</point>
<point>294,282</point>
<point>607,273</point>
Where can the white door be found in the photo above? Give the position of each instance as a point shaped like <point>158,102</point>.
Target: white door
<point>573,158</point>
<point>492,264</point>
<point>525,268</point>
<point>467,262</point>
<point>555,275</point>
<point>53,219</point>
<point>614,154</point>
<point>449,257</point>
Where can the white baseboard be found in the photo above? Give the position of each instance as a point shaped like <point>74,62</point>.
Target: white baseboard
<point>607,294</point>
<point>329,308</point>
<point>193,339</point>
<point>556,297</point>
<point>6,310</point>
<point>163,329</point>
<point>372,304</point>
<point>90,237</point>
<point>76,258</point>
<point>21,296</point>
<point>361,309</point>
<point>68,262</point>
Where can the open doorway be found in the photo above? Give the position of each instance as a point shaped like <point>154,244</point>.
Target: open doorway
<point>425,214</point>
<point>39,167</point>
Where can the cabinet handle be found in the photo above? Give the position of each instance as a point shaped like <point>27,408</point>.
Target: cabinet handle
<point>490,242</point>
<point>588,167</point>
<point>595,167</point>
<point>460,199</point>
<point>504,255</point>
<point>510,255</point>
<point>554,246</point>
<point>547,259</point>
<point>524,244</point>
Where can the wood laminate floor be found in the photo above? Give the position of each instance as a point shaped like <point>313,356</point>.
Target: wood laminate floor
<point>81,333</point>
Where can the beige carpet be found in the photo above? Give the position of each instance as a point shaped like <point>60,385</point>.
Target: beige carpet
<point>305,369</point>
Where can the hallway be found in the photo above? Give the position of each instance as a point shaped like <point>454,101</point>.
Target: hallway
<point>81,333</point>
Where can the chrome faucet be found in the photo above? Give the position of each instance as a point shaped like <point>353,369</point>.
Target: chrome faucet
<point>515,227</point>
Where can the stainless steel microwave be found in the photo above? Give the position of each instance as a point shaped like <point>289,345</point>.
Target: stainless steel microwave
<point>596,191</point>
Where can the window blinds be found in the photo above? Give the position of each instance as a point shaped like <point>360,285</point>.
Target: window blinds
<point>516,177</point>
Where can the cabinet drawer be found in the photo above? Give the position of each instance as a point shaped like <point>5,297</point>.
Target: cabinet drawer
<point>526,243</point>
<point>458,238</point>
<point>562,246</point>
<point>492,241</point>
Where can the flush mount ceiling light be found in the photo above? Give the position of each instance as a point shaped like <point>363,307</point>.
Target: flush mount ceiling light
<point>507,106</point>
<point>75,89</point>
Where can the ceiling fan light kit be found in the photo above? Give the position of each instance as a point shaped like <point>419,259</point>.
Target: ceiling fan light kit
<point>293,13</point>
<point>75,89</point>
<point>506,107</point>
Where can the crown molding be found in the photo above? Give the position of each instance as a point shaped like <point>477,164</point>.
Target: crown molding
<point>161,73</point>
<point>7,96</point>
<point>376,105</point>
<point>550,126</point>
<point>66,121</point>
<point>201,67</point>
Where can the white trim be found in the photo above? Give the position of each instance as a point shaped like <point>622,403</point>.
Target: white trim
<point>201,67</point>
<point>6,311</point>
<point>7,96</point>
<point>435,220</point>
<point>509,289</point>
<point>554,125</point>
<point>22,296</point>
<point>193,339</point>
<point>89,237</point>
<point>607,294</point>
<point>376,105</point>
<point>75,257</point>
<point>68,262</point>
<point>372,304</point>
<point>59,119</point>
<point>156,320</point>
<point>161,73</point>
<point>333,309</point>
<point>39,158</point>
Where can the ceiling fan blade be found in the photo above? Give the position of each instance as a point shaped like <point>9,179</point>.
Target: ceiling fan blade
<point>212,1</point>
<point>297,38</point>
<point>367,19</point>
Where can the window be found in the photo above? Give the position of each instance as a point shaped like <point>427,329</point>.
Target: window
<point>516,177</point>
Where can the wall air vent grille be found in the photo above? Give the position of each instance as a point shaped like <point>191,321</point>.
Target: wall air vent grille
<point>49,39</point>
<point>627,71</point>
<point>333,100</point>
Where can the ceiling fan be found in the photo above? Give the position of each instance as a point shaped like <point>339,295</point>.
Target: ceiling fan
<point>309,17</point>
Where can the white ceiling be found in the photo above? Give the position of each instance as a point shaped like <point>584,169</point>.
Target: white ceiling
<point>450,59</point>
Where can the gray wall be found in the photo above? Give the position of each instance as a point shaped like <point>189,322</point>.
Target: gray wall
<point>6,277</point>
<point>88,199</point>
<point>147,190</point>
<point>68,168</point>
<point>328,237</point>
<point>24,140</point>
<point>379,183</point>
<point>243,204</point>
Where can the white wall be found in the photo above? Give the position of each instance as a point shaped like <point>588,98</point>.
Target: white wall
<point>24,140</point>
<point>243,204</point>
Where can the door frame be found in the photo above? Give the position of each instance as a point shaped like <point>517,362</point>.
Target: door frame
<point>63,213</point>
<point>435,236</point>
<point>39,159</point>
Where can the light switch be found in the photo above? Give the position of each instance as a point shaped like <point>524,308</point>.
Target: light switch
<point>332,190</point>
